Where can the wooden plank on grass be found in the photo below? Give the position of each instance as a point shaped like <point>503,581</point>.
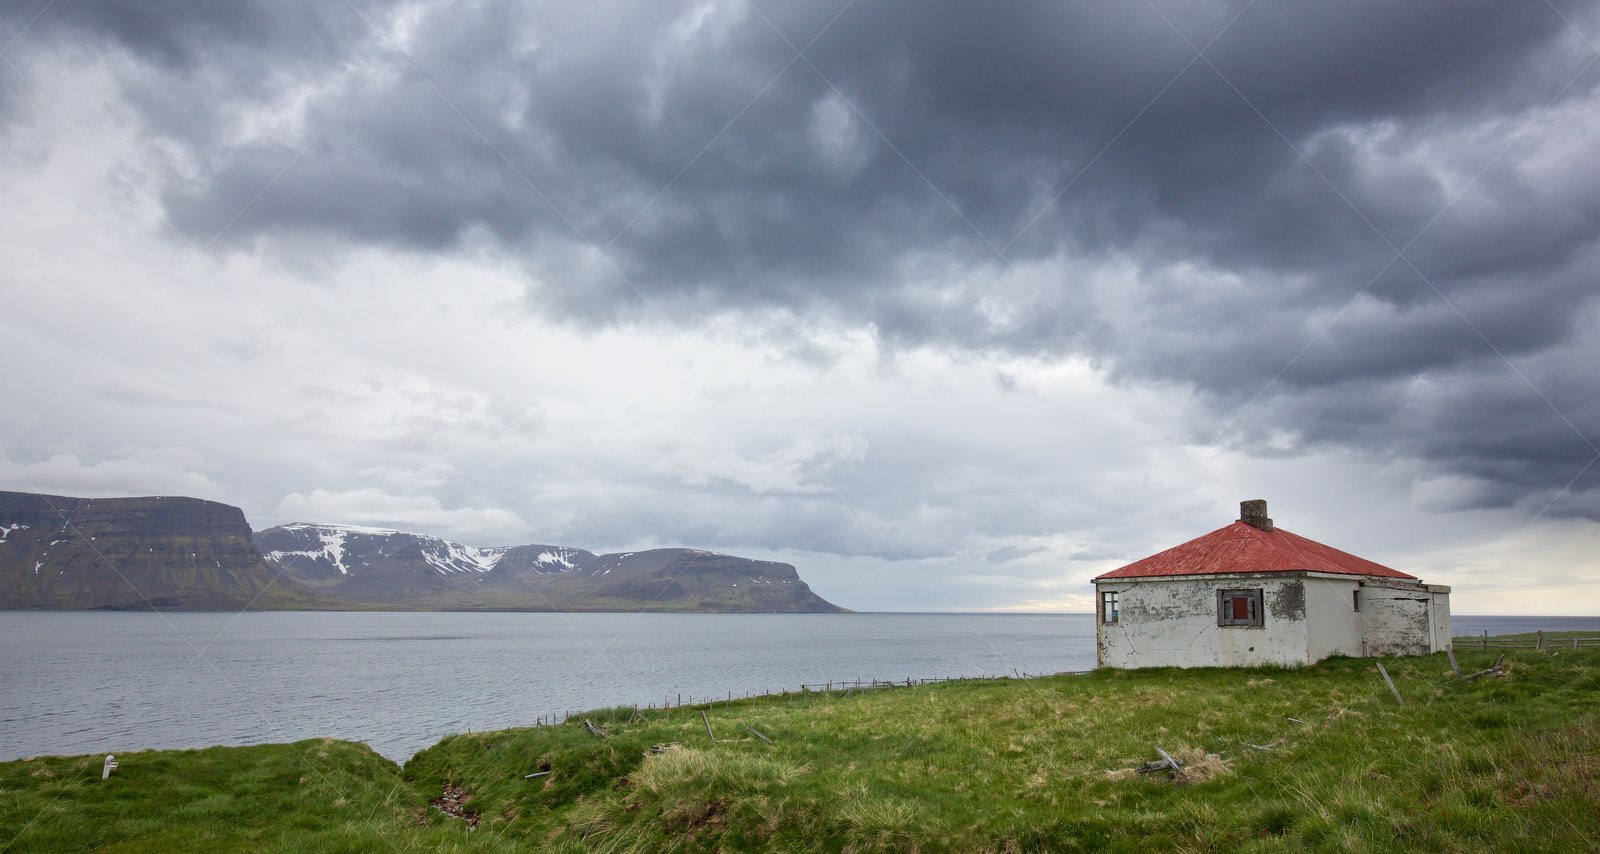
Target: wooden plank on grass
<point>757,734</point>
<point>709,733</point>
<point>1397,698</point>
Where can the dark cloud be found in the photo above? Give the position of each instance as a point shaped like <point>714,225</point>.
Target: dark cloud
<point>1228,223</point>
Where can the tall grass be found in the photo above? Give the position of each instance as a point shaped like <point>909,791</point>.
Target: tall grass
<point>1277,759</point>
<point>1047,764</point>
<point>315,795</point>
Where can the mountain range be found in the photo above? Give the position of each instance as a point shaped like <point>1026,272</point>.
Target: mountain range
<point>188,554</point>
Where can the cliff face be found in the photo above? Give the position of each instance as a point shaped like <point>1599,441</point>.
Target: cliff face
<point>376,568</point>
<point>189,554</point>
<point>125,553</point>
<point>685,580</point>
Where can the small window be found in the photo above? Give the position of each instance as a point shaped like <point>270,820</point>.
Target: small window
<point>1355,600</point>
<point>1239,608</point>
<point>1108,606</point>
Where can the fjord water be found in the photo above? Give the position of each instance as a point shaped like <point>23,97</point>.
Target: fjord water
<point>99,682</point>
<point>103,682</point>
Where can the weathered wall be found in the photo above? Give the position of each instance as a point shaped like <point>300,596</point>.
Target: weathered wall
<point>1441,617</point>
<point>1173,622</point>
<point>1333,627</point>
<point>1397,618</point>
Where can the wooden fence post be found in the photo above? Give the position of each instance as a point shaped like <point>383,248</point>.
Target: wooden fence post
<point>1385,673</point>
<point>1455,668</point>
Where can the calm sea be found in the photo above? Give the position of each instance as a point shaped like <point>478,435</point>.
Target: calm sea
<point>91,682</point>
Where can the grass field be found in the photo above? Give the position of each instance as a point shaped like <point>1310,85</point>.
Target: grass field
<point>1277,759</point>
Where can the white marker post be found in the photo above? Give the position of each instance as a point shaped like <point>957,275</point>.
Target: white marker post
<point>106,769</point>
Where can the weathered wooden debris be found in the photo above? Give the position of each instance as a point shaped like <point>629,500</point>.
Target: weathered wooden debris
<point>1166,763</point>
<point>757,733</point>
<point>1498,669</point>
<point>709,734</point>
<point>597,730</point>
<point>535,774</point>
<point>664,748</point>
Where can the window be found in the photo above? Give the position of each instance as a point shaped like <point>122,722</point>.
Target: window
<point>1108,606</point>
<point>1355,600</point>
<point>1239,608</point>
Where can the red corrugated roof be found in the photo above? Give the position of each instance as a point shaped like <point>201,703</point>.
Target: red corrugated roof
<point>1245,548</point>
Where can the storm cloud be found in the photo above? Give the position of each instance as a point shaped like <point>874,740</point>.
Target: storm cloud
<point>1367,228</point>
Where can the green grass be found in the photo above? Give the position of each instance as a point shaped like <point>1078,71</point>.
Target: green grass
<point>315,795</point>
<point>1004,765</point>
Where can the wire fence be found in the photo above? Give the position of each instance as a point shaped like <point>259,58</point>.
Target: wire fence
<point>840,687</point>
<point>1538,642</point>
<point>850,686</point>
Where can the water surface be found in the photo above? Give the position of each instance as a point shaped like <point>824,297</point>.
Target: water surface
<point>98,682</point>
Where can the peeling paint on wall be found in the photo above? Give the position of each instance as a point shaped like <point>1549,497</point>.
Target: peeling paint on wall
<point>1173,621</point>
<point>1290,603</point>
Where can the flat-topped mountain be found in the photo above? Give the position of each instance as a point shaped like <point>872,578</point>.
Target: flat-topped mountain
<point>374,566</point>
<point>124,553</point>
<point>176,553</point>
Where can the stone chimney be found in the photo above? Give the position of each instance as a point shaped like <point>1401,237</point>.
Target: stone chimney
<point>1254,514</point>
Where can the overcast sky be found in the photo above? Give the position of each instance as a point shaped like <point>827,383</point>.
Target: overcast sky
<point>952,306</point>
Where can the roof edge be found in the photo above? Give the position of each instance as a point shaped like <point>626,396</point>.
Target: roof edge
<point>1247,573</point>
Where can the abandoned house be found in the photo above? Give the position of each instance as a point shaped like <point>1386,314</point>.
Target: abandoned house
<point>1252,593</point>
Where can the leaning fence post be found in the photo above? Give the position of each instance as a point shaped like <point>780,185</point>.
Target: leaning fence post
<point>1486,639</point>
<point>1455,668</point>
<point>1385,673</point>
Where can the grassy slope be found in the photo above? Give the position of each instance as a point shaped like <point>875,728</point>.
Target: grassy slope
<point>316,795</point>
<point>1024,766</point>
<point>1003,765</point>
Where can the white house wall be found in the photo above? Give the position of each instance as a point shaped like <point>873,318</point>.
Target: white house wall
<point>1333,627</point>
<point>1173,623</point>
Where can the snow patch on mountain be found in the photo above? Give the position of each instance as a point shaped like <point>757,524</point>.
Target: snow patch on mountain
<point>446,556</point>
<point>560,557</point>
<point>332,538</point>
<point>337,543</point>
